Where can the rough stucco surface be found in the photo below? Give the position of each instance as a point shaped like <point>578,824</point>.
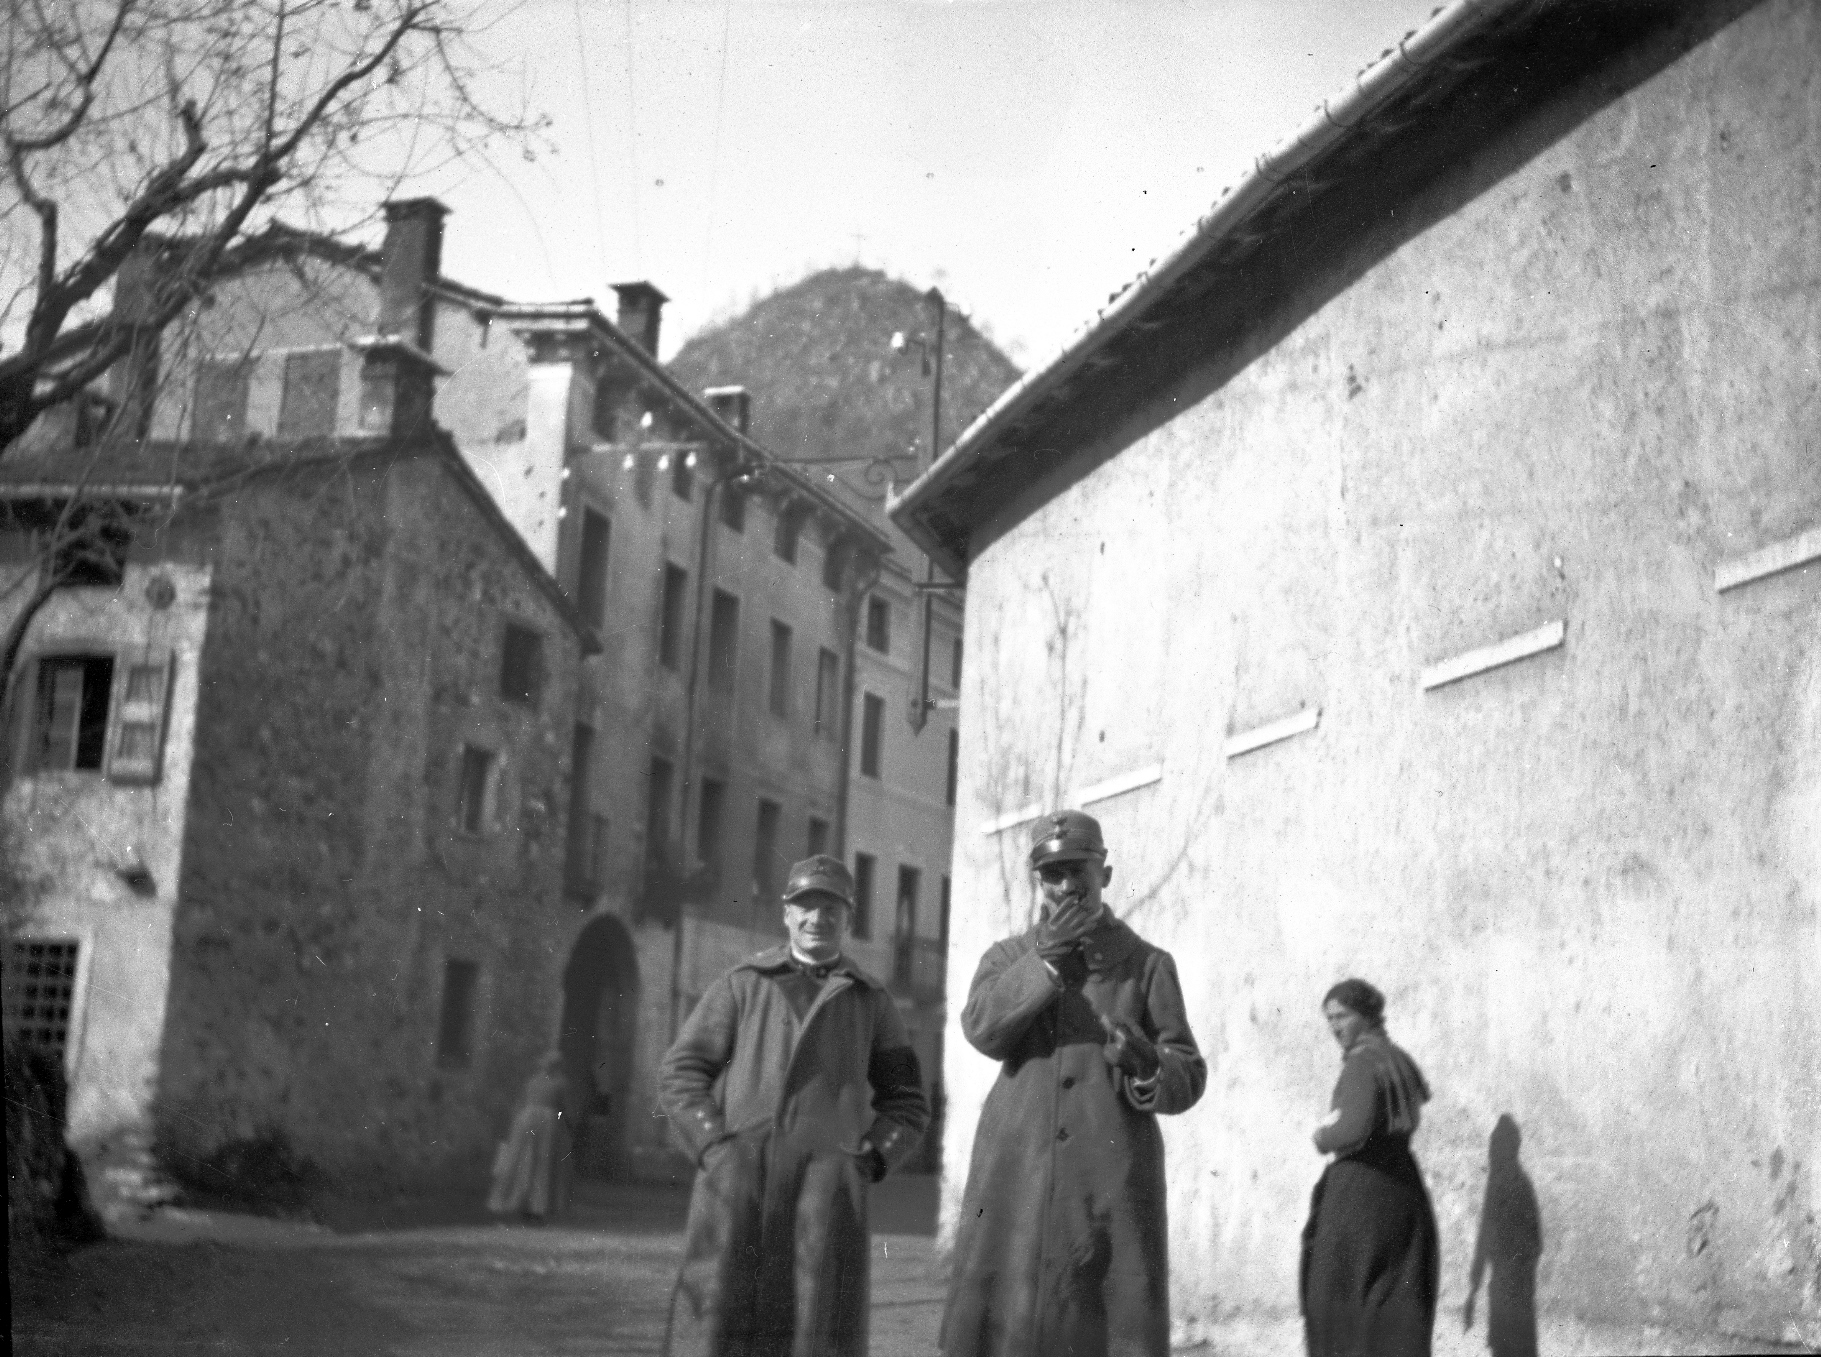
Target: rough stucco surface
<point>354,649</point>
<point>1588,882</point>
<point>75,829</point>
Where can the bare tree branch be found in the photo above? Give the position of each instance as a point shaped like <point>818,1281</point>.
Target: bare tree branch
<point>263,99</point>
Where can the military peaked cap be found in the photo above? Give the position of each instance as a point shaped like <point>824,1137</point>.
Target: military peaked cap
<point>820,874</point>
<point>1065,834</point>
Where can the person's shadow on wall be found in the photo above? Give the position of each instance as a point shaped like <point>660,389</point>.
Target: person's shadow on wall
<point>1510,1243</point>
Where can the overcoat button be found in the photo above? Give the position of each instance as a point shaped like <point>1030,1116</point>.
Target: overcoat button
<point>1063,1134</point>
<point>1069,1082</point>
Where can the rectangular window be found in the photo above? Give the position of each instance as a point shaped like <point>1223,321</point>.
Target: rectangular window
<point>591,575</point>
<point>942,919</point>
<point>455,1028</point>
<point>817,841</point>
<point>828,694</point>
<point>954,765</point>
<point>904,925</point>
<point>220,413</point>
<point>954,673</point>
<point>670,619</point>
<point>474,803</point>
<point>785,533</point>
<point>864,865</point>
<point>682,479</point>
<point>723,638</point>
<point>733,507</point>
<point>579,850</point>
<point>657,810</point>
<point>780,669</point>
<point>70,715</point>
<point>879,625</point>
<point>834,565</point>
<point>521,665</point>
<point>872,734</point>
<point>765,851</point>
<point>312,389</point>
<point>604,418</point>
<point>708,822</point>
<point>139,720</point>
<point>41,991</point>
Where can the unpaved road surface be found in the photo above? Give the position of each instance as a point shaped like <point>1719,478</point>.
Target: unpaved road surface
<point>597,1283</point>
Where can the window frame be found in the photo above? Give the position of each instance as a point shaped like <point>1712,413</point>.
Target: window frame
<point>768,819</point>
<point>878,624</point>
<point>723,640</point>
<point>672,606</point>
<point>865,879</point>
<point>522,661</point>
<point>783,636</point>
<point>476,801</point>
<point>591,583</point>
<point>828,694</point>
<point>872,736</point>
<point>460,1021</point>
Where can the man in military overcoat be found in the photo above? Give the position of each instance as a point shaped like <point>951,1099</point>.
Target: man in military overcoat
<point>819,1095</point>
<point>1062,1248</point>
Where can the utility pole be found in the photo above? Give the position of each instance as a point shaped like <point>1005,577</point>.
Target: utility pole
<point>920,702</point>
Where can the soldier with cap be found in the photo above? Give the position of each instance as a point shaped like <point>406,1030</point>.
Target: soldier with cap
<point>793,1085</point>
<point>1062,1249</point>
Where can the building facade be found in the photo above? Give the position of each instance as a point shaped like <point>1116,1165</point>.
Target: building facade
<point>678,771</point>
<point>287,796</point>
<point>1416,572</point>
<point>843,368</point>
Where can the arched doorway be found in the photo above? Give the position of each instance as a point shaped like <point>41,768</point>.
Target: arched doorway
<point>600,1024</point>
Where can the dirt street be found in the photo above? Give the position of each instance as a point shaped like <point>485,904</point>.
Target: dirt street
<point>427,1280</point>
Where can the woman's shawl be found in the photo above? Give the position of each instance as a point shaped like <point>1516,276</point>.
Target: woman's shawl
<point>1381,1092</point>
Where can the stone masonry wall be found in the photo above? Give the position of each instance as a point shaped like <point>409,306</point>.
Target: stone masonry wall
<point>359,617</point>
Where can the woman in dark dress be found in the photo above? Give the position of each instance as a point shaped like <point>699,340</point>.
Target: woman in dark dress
<point>1371,1256</point>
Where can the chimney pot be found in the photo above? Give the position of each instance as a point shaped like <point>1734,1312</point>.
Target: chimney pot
<point>641,308</point>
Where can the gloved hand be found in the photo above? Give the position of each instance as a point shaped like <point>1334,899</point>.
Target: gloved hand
<point>1129,1050</point>
<point>872,1164</point>
<point>1063,927</point>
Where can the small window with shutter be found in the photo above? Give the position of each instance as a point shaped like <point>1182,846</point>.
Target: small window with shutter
<point>311,392</point>
<point>137,738</point>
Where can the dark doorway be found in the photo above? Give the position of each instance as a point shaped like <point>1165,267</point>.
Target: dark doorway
<point>600,1025</point>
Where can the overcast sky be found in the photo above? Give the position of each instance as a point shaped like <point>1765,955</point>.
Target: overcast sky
<point>1029,158</point>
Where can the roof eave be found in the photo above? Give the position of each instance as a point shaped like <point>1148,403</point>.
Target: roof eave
<point>1333,122</point>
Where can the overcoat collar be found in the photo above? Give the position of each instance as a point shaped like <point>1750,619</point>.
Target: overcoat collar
<point>777,960</point>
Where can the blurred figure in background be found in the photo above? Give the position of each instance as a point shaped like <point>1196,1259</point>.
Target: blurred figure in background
<point>531,1169</point>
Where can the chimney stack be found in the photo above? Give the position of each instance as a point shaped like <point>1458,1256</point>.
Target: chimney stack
<point>398,378</point>
<point>641,308</point>
<point>411,258</point>
<point>732,403</point>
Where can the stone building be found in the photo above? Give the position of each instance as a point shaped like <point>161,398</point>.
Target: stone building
<point>291,763</point>
<point>1416,571</point>
<point>705,742</point>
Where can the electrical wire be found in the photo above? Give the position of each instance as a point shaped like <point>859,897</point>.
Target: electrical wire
<point>632,144</point>
<point>714,155</point>
<point>594,170</point>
